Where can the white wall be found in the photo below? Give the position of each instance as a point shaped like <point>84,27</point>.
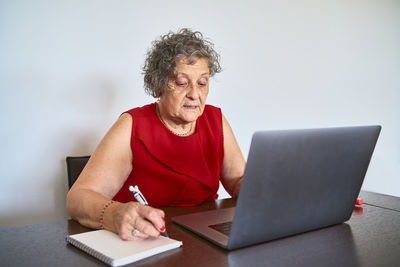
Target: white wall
<point>69,68</point>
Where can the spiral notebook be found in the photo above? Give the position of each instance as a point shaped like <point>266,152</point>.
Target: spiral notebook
<point>111,249</point>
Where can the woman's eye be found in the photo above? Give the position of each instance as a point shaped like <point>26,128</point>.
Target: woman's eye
<point>181,84</point>
<point>202,83</point>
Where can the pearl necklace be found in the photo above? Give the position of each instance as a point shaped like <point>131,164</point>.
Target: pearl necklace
<point>183,134</point>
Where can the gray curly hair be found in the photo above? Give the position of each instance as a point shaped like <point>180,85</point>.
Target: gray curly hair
<point>160,65</point>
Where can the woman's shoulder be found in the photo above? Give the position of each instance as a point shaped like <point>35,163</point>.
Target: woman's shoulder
<point>212,109</point>
<point>141,111</point>
<point>213,115</point>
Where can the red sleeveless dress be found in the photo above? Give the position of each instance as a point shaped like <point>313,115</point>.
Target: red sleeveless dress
<point>173,170</point>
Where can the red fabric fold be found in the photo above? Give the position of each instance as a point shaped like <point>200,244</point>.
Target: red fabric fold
<point>172,170</point>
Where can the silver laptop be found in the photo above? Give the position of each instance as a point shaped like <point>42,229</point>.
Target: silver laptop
<point>295,181</point>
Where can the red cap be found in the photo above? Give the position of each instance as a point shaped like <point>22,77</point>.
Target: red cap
<point>359,201</point>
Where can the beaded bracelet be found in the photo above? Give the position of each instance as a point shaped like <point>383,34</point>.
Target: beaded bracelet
<point>103,211</point>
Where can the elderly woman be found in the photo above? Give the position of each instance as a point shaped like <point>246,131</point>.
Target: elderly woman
<point>176,150</point>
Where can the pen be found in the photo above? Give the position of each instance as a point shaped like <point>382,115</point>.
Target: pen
<point>138,195</point>
<point>142,200</point>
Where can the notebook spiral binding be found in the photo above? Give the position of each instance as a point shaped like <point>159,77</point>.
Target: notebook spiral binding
<point>90,251</point>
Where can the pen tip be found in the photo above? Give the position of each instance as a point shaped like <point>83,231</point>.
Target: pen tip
<point>130,188</point>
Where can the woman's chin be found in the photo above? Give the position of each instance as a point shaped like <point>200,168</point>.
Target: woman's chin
<point>190,118</point>
<point>191,115</point>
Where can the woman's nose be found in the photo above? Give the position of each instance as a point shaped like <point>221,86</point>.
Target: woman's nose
<point>193,92</point>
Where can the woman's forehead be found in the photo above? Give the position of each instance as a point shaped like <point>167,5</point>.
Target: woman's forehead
<point>200,66</point>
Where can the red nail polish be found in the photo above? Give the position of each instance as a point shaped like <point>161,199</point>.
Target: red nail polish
<point>162,229</point>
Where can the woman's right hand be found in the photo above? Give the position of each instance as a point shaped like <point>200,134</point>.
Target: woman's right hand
<point>126,217</point>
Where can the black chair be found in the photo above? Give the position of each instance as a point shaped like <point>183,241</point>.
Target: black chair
<point>75,166</point>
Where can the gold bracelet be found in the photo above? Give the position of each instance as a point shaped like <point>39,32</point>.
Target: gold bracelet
<point>103,211</point>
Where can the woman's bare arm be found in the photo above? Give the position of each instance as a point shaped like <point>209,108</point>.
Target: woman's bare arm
<point>102,177</point>
<point>234,162</point>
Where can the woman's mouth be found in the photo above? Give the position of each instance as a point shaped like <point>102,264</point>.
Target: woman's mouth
<point>190,107</point>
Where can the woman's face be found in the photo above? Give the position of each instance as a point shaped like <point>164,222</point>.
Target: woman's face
<point>184,98</point>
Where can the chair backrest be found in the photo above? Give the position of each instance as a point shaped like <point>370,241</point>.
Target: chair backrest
<point>75,166</point>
